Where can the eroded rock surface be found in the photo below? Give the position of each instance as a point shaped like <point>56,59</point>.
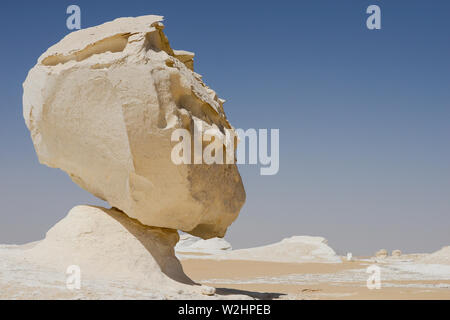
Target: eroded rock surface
<point>102,105</point>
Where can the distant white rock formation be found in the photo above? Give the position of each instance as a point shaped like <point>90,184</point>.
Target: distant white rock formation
<point>441,256</point>
<point>106,243</point>
<point>103,104</point>
<point>382,254</point>
<point>297,249</point>
<point>117,258</point>
<point>190,244</point>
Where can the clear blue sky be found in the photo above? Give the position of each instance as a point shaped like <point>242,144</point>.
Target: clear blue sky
<point>364,116</point>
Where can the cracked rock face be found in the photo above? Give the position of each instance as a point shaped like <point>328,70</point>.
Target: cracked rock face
<point>102,105</point>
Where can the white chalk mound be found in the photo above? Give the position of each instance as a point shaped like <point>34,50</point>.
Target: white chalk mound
<point>102,105</point>
<point>441,256</point>
<point>297,249</point>
<point>108,244</point>
<point>191,244</point>
<point>119,258</point>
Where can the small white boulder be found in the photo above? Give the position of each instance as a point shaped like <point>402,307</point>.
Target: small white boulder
<point>382,253</point>
<point>191,244</point>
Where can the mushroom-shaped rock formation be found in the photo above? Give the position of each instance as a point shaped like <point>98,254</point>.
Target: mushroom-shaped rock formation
<point>102,105</point>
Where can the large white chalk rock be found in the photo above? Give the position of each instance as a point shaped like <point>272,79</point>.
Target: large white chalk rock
<point>102,105</point>
<point>191,244</point>
<point>297,249</point>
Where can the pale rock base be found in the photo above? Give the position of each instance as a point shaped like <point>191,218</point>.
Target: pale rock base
<point>297,249</point>
<point>118,258</point>
<point>190,244</point>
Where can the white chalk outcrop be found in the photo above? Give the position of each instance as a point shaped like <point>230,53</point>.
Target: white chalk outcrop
<point>190,244</point>
<point>297,249</point>
<point>118,258</point>
<point>102,105</point>
<point>441,256</point>
<point>108,244</point>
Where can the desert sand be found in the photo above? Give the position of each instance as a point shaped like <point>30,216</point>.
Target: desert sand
<point>321,281</point>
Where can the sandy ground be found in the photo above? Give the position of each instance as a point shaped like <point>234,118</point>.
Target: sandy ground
<point>400,279</point>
